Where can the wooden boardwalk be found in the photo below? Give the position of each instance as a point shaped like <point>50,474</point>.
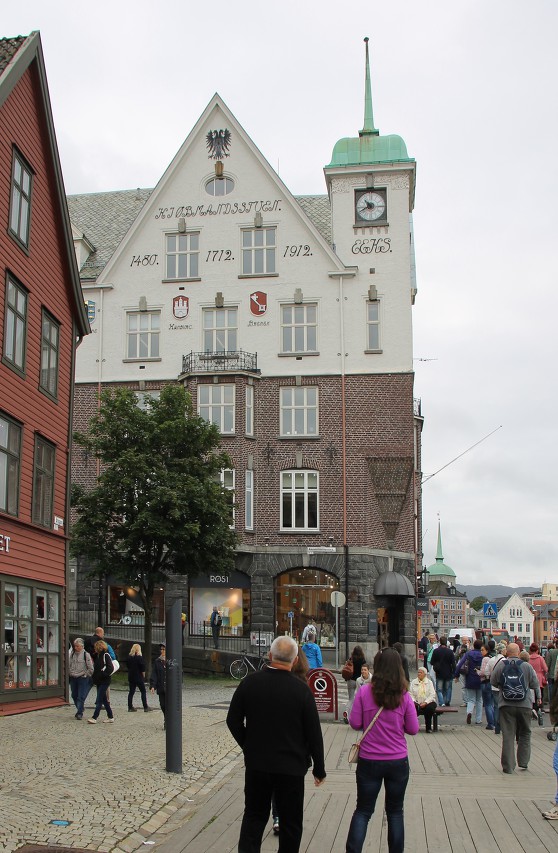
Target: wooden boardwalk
<point>458,801</point>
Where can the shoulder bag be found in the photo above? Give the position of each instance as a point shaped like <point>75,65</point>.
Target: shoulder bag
<point>355,748</point>
<point>348,671</point>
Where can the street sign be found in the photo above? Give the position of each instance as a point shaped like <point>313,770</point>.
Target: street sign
<point>321,549</point>
<point>490,610</point>
<point>337,599</point>
<point>421,602</point>
<point>290,614</point>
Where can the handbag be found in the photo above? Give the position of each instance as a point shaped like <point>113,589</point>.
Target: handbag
<point>348,671</point>
<point>115,666</point>
<point>465,668</point>
<point>355,748</point>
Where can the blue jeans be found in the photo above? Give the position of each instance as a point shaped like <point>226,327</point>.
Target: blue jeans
<point>443,689</point>
<point>488,702</point>
<point>102,701</point>
<point>79,688</point>
<point>473,699</point>
<point>370,775</point>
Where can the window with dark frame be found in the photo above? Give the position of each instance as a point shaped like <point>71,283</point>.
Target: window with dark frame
<point>20,202</point>
<point>43,482</point>
<point>50,339</point>
<point>10,454</point>
<point>15,326</point>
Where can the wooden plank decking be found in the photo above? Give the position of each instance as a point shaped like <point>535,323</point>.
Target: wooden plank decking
<point>458,801</point>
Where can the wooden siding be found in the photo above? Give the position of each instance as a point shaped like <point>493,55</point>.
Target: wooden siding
<point>44,270</point>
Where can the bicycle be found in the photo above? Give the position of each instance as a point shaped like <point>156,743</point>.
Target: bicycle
<point>239,667</point>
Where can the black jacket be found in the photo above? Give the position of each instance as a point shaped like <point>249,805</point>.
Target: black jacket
<point>443,662</point>
<point>158,678</point>
<point>273,717</point>
<point>102,669</point>
<point>136,668</point>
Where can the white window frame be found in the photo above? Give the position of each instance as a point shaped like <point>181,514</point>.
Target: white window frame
<point>259,251</point>
<point>185,253</point>
<point>144,397</point>
<point>249,410</point>
<point>299,410</point>
<point>227,479</point>
<point>373,339</point>
<point>220,329</point>
<point>146,338</point>
<point>249,500</point>
<point>300,489</point>
<point>216,404</point>
<point>20,201</point>
<point>299,328</point>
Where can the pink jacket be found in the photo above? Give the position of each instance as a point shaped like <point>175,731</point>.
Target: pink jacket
<point>540,667</point>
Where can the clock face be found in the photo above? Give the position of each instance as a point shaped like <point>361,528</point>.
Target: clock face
<point>370,206</point>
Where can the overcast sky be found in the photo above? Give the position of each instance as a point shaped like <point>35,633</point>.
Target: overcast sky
<point>470,85</point>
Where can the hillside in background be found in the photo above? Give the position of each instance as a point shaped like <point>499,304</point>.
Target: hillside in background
<point>492,591</point>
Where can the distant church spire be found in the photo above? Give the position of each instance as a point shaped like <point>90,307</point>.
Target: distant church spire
<point>368,112</point>
<point>439,555</point>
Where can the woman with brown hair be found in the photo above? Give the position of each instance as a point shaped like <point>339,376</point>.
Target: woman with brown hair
<point>357,659</point>
<point>386,712</point>
<point>102,672</point>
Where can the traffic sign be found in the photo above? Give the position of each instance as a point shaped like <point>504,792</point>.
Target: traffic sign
<point>337,598</point>
<point>490,610</point>
<point>290,614</point>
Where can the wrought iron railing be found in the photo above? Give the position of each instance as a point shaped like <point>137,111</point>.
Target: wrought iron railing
<point>211,362</point>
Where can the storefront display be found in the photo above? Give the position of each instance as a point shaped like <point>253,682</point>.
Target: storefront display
<point>31,637</point>
<point>303,596</point>
<point>230,593</point>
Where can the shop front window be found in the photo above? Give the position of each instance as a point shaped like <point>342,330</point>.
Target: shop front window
<point>32,642</point>
<point>231,595</point>
<point>306,594</point>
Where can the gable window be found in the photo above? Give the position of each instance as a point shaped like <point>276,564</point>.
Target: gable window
<point>227,481</point>
<point>249,500</point>
<point>20,207</point>
<point>299,328</point>
<point>216,404</point>
<point>43,482</point>
<point>219,186</point>
<point>249,410</point>
<point>299,411</point>
<point>299,500</point>
<point>373,325</point>
<point>49,355</point>
<point>10,453</point>
<point>258,251</point>
<point>220,329</point>
<point>142,333</point>
<point>182,255</point>
<point>16,324</point>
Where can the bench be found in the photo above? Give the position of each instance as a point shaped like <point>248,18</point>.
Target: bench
<point>442,709</point>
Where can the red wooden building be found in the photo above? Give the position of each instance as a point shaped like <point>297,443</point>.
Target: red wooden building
<point>42,319</point>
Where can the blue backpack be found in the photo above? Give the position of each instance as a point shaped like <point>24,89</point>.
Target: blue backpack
<point>512,681</point>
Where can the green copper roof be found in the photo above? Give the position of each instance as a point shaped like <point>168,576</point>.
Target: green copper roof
<point>369,147</point>
<point>439,567</point>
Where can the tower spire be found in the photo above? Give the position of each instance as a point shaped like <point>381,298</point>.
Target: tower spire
<point>368,113</point>
<point>439,555</point>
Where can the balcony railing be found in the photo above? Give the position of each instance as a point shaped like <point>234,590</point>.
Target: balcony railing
<point>212,362</point>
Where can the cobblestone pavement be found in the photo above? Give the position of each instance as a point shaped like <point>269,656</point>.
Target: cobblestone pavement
<point>108,780</point>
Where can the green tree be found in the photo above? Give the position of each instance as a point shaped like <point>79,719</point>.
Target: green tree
<point>158,507</point>
<point>477,603</point>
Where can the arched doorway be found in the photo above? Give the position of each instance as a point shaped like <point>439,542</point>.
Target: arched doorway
<point>306,594</point>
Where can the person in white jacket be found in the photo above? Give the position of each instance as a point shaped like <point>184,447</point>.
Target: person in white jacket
<point>424,696</point>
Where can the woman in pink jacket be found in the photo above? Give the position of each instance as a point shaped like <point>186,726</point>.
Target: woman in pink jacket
<point>538,663</point>
<point>383,753</point>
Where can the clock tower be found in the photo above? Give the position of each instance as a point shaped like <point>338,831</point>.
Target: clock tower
<point>371,186</point>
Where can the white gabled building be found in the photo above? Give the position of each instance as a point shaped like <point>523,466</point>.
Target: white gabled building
<point>514,616</point>
<point>289,321</point>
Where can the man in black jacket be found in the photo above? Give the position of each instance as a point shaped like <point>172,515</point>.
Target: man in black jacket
<point>443,664</point>
<point>273,717</point>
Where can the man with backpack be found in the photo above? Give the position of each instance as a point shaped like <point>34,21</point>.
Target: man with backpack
<point>216,621</point>
<point>515,679</point>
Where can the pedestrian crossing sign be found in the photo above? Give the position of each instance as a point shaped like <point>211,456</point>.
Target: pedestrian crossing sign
<point>490,610</point>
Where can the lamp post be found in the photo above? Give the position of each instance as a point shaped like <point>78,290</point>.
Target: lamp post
<point>424,580</point>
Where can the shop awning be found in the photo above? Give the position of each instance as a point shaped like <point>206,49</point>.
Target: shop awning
<point>393,583</point>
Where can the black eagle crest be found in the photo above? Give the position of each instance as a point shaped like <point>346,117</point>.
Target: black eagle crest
<point>218,142</point>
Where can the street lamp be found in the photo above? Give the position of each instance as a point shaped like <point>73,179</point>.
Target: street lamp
<point>424,581</point>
